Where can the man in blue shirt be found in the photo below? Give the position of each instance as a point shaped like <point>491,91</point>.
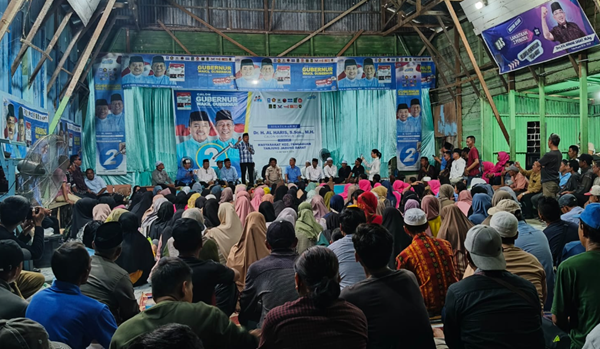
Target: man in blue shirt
<point>351,80</point>
<point>136,71</point>
<point>96,184</point>
<point>185,174</point>
<point>105,122</point>
<point>569,208</point>
<point>267,75</point>
<point>116,116</point>
<point>369,69</point>
<point>351,271</point>
<point>228,173</point>
<point>564,173</point>
<point>159,72</point>
<point>292,173</point>
<point>67,315</point>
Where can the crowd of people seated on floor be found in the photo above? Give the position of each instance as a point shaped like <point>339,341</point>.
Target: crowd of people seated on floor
<point>297,265</point>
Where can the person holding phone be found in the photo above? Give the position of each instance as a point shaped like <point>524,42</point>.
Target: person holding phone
<point>185,174</point>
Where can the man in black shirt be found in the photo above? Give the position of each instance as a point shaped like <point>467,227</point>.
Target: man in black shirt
<point>586,179</point>
<point>390,299</point>
<point>426,170</point>
<point>187,236</point>
<point>357,170</point>
<point>550,167</point>
<point>493,308</point>
<point>344,173</point>
<point>11,264</point>
<point>558,232</point>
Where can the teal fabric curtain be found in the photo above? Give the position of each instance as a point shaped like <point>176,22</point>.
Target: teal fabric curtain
<point>354,122</point>
<point>427,132</point>
<point>88,138</point>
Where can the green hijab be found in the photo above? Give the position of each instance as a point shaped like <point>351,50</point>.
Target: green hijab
<point>306,223</point>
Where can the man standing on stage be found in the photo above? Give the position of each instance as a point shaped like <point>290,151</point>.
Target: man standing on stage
<point>246,162</point>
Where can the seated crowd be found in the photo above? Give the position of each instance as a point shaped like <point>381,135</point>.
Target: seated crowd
<point>438,261</point>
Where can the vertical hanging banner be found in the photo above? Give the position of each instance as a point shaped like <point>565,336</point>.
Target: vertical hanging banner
<point>285,125</point>
<point>21,123</point>
<point>360,73</point>
<point>208,124</point>
<point>109,116</point>
<point>427,72</point>
<point>71,133</point>
<point>285,74</point>
<point>548,31</point>
<point>408,113</point>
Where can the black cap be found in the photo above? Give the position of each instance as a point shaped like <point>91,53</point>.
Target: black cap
<point>101,102</point>
<point>136,59</point>
<point>281,234</point>
<point>368,61</point>
<point>11,255</point>
<point>11,110</point>
<point>116,97</point>
<point>587,158</point>
<point>414,101</point>
<point>199,116</point>
<point>26,333</point>
<point>349,62</point>
<point>266,61</point>
<point>108,235</point>
<point>402,106</point>
<point>158,59</point>
<point>555,6</point>
<point>247,61</point>
<point>223,115</point>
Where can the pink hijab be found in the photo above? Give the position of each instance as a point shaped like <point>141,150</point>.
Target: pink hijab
<point>345,193</point>
<point>318,207</point>
<point>497,169</point>
<point>377,185</point>
<point>257,199</point>
<point>465,200</point>
<point>242,205</point>
<point>434,185</point>
<point>268,197</point>
<point>399,186</point>
<point>364,185</point>
<point>488,167</point>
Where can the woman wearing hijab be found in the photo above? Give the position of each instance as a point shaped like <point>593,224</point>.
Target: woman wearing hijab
<point>382,201</point>
<point>144,203</point>
<point>327,199</point>
<point>267,210</point>
<point>288,214</point>
<point>115,215</point>
<point>226,196</point>
<point>446,195</point>
<point>368,203</point>
<point>107,199</point>
<point>210,250</point>
<point>82,214</point>
<point>211,213</point>
<point>268,198</point>
<point>181,201</point>
<point>136,195</point>
<point>495,171</point>
<point>243,207</point>
<point>228,232</point>
<point>280,192</point>
<point>319,210</point>
<point>152,215</point>
<point>250,248</point>
<point>411,203</point>
<point>216,191</point>
<point>481,205</point>
<point>199,204</point>
<point>163,218</point>
<point>455,226</point>
<point>259,193</point>
<point>101,212</point>
<point>332,222</point>
<point>307,228</point>
<point>365,185</point>
<point>136,252</point>
<point>394,223</point>
<point>434,185</point>
<point>336,204</point>
<point>392,196</point>
<point>431,207</point>
<point>344,195</point>
<point>465,200</point>
<point>499,196</point>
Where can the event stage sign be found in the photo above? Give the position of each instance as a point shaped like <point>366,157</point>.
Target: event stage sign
<point>111,158</point>
<point>285,74</point>
<point>71,133</point>
<point>21,122</point>
<point>408,113</point>
<point>549,31</point>
<point>360,73</point>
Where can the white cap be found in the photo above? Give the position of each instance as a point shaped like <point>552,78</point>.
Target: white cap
<point>415,217</point>
<point>344,162</point>
<point>426,179</point>
<point>505,223</point>
<point>329,159</point>
<point>476,181</point>
<point>594,191</point>
<point>485,248</point>
<point>158,163</point>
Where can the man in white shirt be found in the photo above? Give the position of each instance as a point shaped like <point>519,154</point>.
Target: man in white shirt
<point>314,173</point>
<point>330,170</point>
<point>96,184</point>
<point>306,167</point>
<point>458,167</point>
<point>206,175</point>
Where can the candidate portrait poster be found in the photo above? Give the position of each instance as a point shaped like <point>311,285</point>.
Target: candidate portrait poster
<point>548,31</point>
<point>208,124</point>
<point>366,73</point>
<point>71,134</point>
<point>109,116</point>
<point>285,74</point>
<point>21,123</point>
<point>408,113</point>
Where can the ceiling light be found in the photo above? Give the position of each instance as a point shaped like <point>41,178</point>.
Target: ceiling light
<point>479,5</point>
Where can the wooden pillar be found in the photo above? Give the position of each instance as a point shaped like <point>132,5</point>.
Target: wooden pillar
<point>512,110</point>
<point>583,107</point>
<point>542,107</point>
<point>458,94</point>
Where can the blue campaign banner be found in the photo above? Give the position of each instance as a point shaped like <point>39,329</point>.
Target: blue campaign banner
<point>371,73</point>
<point>408,113</point>
<point>427,72</point>
<point>549,31</point>
<point>285,74</point>
<point>23,123</point>
<point>208,124</point>
<point>184,72</point>
<point>71,133</point>
<point>109,118</point>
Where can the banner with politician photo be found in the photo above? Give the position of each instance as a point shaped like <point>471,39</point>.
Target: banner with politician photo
<point>408,113</point>
<point>206,72</point>
<point>360,73</point>
<point>208,124</point>
<point>548,31</point>
<point>285,74</point>
<point>109,116</point>
<point>71,133</point>
<point>21,123</point>
<point>427,72</point>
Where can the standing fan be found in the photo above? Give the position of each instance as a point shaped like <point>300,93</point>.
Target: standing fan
<point>324,154</point>
<point>42,171</point>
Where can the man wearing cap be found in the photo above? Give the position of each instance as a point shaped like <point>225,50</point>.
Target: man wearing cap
<point>344,173</point>
<point>593,194</point>
<point>11,123</point>
<point>185,174</point>
<point>430,259</point>
<point>199,129</point>
<point>68,315</point>
<point>116,112</point>
<point>518,181</point>
<point>206,175</point>
<point>247,70</point>
<point>270,281</point>
<point>307,165</point>
<point>370,79</point>
<point>160,176</point>
<point>267,75</point>
<point>415,112</point>
<point>570,208</point>
<point>108,283</point>
<point>229,174</point>
<point>351,70</point>
<point>225,130</point>
<point>577,284</point>
<point>404,122</point>
<point>21,333</point>
<point>564,31</point>
<point>11,264</point>
<point>292,172</point>
<point>457,167</point>
<point>314,173</point>
<point>493,306</point>
<point>104,124</point>
<point>558,232</point>
<point>136,71</point>
<point>586,179</point>
<point>246,162</point>
<point>350,269</point>
<point>159,71</point>
<point>330,170</point>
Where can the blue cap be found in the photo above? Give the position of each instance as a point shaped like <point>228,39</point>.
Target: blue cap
<point>591,216</point>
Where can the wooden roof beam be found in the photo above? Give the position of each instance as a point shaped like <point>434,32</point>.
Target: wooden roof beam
<point>350,43</point>
<point>412,16</point>
<point>9,15</point>
<point>174,37</point>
